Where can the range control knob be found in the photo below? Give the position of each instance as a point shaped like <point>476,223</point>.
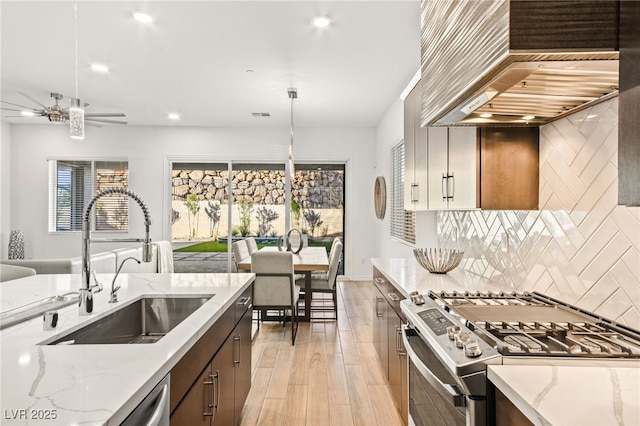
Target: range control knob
<point>461,338</point>
<point>472,349</point>
<point>452,330</point>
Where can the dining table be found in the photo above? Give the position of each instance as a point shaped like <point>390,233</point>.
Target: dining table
<point>305,262</point>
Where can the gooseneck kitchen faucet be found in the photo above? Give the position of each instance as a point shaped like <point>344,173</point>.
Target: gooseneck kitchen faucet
<point>86,291</point>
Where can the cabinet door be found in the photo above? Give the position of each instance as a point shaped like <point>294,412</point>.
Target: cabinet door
<point>437,165</point>
<point>197,406</point>
<point>222,373</point>
<point>380,335</point>
<point>409,142</point>
<point>463,160</point>
<point>420,155</point>
<point>509,168</point>
<point>242,362</point>
<point>397,371</point>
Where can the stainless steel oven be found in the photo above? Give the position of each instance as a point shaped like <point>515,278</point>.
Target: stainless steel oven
<point>451,338</point>
<point>446,387</point>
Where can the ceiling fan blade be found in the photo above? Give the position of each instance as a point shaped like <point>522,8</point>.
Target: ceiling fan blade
<point>100,120</point>
<point>10,109</point>
<point>15,116</point>
<point>21,106</point>
<point>104,114</point>
<point>33,99</point>
<point>89,123</point>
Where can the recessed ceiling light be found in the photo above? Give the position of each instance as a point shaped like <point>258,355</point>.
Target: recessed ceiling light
<point>27,113</point>
<point>486,115</point>
<point>321,21</point>
<point>528,117</point>
<point>142,17</point>
<point>99,68</point>
<point>173,116</point>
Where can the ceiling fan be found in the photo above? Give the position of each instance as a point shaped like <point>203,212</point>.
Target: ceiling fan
<point>57,114</point>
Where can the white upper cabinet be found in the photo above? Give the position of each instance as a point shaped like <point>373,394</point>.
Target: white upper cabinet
<point>452,165</point>
<point>415,155</point>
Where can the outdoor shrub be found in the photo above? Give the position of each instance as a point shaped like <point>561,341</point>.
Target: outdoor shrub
<point>193,207</point>
<point>265,216</point>
<point>313,219</point>
<point>213,213</point>
<point>245,208</point>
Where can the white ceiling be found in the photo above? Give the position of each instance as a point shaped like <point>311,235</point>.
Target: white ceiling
<point>193,59</point>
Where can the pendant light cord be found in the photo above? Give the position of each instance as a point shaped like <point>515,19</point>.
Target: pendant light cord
<point>291,147</point>
<point>75,23</point>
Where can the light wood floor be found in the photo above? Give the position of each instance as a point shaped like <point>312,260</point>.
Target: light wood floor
<point>330,377</point>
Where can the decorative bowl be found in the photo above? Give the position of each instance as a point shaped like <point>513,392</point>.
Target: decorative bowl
<point>438,260</point>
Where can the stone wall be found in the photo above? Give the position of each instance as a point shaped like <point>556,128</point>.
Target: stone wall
<point>313,189</point>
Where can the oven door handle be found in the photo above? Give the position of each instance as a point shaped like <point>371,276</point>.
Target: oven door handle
<point>449,392</point>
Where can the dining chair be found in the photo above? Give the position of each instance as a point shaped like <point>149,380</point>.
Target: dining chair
<point>252,245</point>
<point>275,287</point>
<point>240,252</point>
<point>327,284</point>
<point>322,275</point>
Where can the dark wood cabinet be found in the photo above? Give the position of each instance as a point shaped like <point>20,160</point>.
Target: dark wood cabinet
<point>213,379</point>
<point>507,414</point>
<point>242,363</point>
<point>380,331</point>
<point>387,329</point>
<point>509,163</point>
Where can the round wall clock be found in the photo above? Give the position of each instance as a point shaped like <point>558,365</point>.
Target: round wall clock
<point>380,197</point>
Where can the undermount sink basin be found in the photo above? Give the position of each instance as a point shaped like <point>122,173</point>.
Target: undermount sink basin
<point>146,320</point>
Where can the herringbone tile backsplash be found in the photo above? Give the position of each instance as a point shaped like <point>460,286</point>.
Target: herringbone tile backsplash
<point>580,247</point>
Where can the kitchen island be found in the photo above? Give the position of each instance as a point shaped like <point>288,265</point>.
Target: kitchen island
<point>97,384</point>
<point>547,391</point>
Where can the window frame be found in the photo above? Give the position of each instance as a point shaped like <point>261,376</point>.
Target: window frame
<point>89,189</point>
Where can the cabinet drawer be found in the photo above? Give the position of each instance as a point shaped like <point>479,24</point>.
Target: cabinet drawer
<point>243,303</point>
<point>389,291</point>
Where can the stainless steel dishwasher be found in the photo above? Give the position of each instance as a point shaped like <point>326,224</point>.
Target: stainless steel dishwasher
<point>154,408</point>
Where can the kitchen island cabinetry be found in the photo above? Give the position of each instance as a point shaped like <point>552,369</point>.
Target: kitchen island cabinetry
<point>388,320</point>
<point>221,360</point>
<point>82,385</point>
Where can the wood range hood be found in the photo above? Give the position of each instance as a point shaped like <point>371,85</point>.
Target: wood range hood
<point>494,62</point>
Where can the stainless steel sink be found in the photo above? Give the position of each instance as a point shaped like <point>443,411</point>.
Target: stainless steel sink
<point>145,320</point>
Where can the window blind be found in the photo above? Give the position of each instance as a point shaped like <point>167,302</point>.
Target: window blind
<point>402,222</point>
<point>73,184</point>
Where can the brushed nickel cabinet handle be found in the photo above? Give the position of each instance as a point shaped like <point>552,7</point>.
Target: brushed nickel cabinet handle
<point>238,338</point>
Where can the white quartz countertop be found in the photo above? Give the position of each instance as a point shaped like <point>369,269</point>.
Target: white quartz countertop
<point>579,393</point>
<point>96,384</point>
<point>571,395</point>
<point>408,276</point>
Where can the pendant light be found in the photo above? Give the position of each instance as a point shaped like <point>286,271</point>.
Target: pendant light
<point>76,109</point>
<point>292,92</point>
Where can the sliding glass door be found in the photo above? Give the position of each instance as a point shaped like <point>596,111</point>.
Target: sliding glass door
<point>213,204</point>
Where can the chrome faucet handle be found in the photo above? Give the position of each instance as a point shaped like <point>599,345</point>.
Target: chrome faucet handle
<point>97,287</point>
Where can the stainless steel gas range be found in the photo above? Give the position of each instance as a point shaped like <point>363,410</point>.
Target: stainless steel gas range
<point>451,338</point>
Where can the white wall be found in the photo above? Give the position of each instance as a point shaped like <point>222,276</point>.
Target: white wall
<point>390,132</point>
<point>148,150</point>
<point>5,188</point>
